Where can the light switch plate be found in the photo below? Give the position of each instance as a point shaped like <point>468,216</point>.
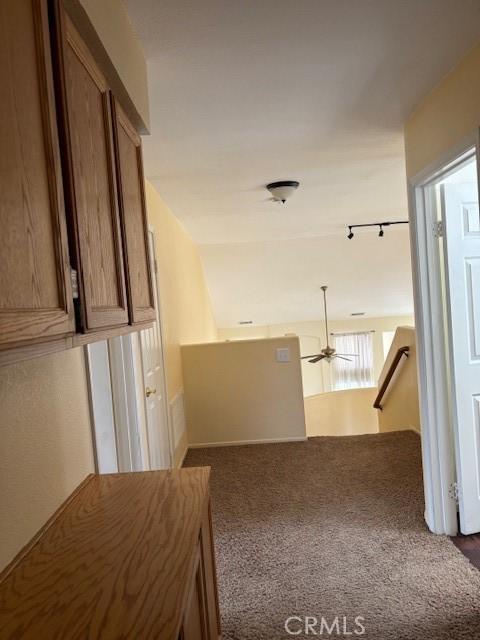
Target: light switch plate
<point>283,354</point>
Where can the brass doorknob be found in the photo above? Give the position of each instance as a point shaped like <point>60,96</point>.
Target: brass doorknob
<point>148,391</point>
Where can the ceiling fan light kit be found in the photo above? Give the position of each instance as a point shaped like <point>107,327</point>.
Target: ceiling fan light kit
<point>380,225</point>
<point>282,189</point>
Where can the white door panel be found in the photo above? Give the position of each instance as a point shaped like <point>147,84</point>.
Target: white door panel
<point>130,448</point>
<point>461,221</point>
<point>99,381</point>
<point>154,380</point>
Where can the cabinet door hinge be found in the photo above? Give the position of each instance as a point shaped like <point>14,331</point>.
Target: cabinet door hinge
<point>454,491</point>
<point>74,281</point>
<point>438,229</point>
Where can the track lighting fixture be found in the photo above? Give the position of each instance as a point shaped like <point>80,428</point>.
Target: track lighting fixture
<point>381,233</point>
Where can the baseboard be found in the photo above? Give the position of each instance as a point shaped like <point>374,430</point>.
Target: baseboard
<point>236,443</point>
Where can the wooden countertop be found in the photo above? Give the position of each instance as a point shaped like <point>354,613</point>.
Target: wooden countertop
<point>112,563</point>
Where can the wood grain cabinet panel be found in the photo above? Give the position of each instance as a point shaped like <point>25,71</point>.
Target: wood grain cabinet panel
<point>133,216</point>
<point>35,292</point>
<point>91,188</point>
<point>124,557</point>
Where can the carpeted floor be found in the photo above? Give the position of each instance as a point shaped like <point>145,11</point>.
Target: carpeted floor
<point>334,527</point>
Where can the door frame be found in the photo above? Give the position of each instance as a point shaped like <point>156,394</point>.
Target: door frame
<point>438,447</point>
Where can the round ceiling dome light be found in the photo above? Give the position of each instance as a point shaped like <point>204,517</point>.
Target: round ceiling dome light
<point>282,190</point>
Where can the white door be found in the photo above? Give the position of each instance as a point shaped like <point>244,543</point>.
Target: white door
<point>461,221</point>
<point>159,442</point>
<point>120,444</point>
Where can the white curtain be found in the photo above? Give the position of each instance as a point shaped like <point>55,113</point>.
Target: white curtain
<point>359,371</point>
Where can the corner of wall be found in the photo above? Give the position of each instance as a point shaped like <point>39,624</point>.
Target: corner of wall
<point>185,304</point>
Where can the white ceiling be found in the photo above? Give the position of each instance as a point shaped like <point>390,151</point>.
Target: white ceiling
<point>244,92</point>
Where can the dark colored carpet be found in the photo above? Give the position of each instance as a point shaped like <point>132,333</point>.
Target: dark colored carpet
<point>334,527</point>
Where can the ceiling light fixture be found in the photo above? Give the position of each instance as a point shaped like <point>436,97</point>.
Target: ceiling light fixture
<point>381,233</point>
<point>282,190</point>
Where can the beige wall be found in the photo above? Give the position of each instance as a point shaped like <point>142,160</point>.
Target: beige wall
<point>110,20</point>
<point>187,314</point>
<point>401,405</point>
<point>341,413</point>
<point>237,391</point>
<point>316,378</point>
<point>446,116</point>
<point>46,447</point>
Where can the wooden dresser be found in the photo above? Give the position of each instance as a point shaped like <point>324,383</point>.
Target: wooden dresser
<point>127,556</point>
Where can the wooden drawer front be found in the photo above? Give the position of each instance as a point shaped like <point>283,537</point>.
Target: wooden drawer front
<point>133,216</point>
<point>89,163</point>
<point>35,292</point>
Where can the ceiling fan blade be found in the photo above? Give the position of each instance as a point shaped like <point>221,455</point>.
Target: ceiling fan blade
<point>341,358</point>
<point>312,356</point>
<point>350,355</point>
<point>317,358</point>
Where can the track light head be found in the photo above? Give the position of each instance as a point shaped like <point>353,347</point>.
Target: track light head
<point>350,235</point>
<point>381,232</point>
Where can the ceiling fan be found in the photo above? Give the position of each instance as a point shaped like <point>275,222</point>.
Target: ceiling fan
<point>328,352</point>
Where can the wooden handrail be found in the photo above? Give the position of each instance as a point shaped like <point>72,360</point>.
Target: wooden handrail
<point>402,351</point>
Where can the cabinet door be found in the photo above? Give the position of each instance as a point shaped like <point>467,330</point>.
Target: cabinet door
<point>35,292</point>
<point>133,215</point>
<point>89,167</point>
<point>194,624</point>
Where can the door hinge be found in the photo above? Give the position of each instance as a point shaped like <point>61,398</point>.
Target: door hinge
<point>74,281</point>
<point>454,491</point>
<point>438,229</point>
<point>155,266</point>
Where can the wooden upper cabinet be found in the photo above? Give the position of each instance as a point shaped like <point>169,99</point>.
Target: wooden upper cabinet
<point>90,177</point>
<point>131,190</point>
<point>35,292</point>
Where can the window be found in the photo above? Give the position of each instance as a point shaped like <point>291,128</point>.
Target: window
<point>358,370</point>
<point>387,339</point>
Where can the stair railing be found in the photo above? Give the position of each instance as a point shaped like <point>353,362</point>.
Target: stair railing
<point>401,353</point>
